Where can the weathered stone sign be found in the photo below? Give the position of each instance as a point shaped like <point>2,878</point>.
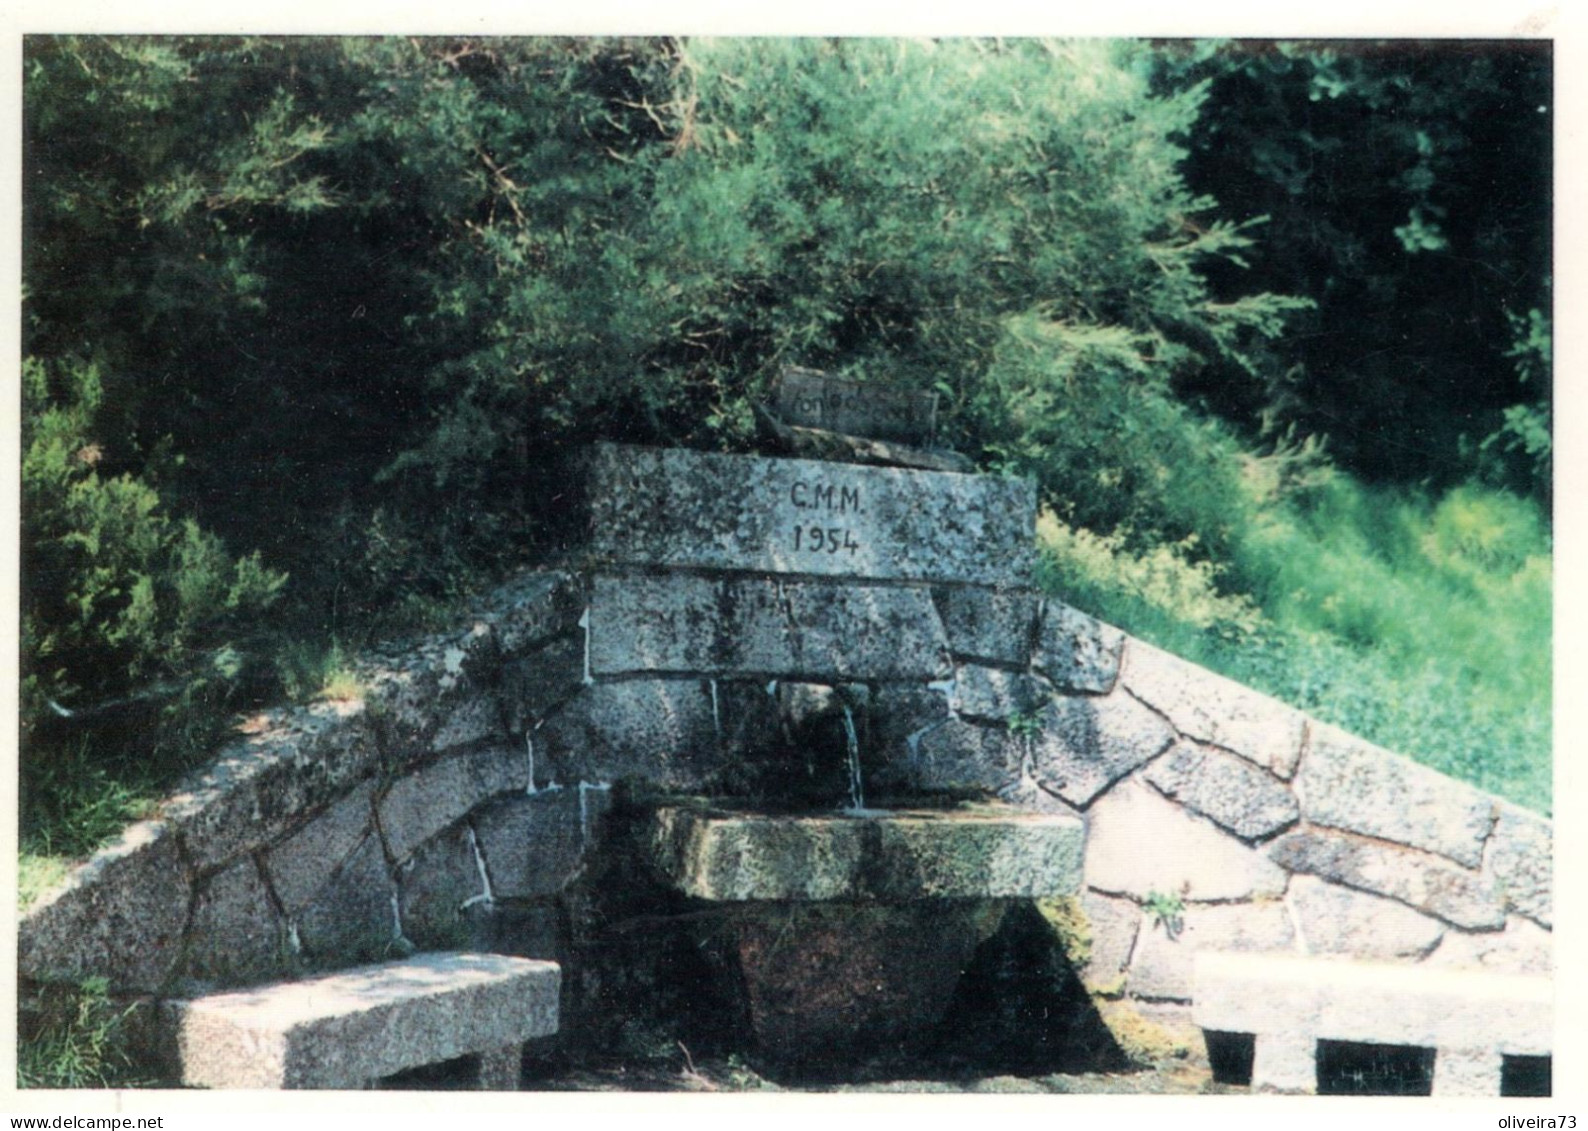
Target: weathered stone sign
<point>808,399</point>
<point>682,509</point>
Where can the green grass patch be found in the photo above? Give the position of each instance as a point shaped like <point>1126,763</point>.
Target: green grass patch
<point>78,1039</point>
<point>1423,625</point>
<point>36,875</point>
<point>75,801</point>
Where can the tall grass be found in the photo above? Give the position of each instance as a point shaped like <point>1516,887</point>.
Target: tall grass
<point>1421,624</point>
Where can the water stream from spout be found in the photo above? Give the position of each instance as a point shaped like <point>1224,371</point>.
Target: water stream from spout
<point>486,896</point>
<point>584,623</point>
<point>529,747</point>
<point>716,711</point>
<point>396,919</point>
<point>949,689</point>
<point>857,792</point>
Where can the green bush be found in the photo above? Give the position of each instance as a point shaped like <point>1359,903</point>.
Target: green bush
<point>1424,626</point>
<point>129,616</point>
<point>376,286</point>
<point>342,305</point>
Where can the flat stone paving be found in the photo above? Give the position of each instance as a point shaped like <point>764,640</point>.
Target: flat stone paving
<point>1473,1020</point>
<point>973,853</point>
<point>350,1028</point>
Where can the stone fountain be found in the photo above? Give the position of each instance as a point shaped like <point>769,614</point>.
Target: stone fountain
<point>783,763</point>
<point>814,587</point>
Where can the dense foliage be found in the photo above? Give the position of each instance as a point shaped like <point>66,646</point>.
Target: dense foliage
<point>1407,191</point>
<point>305,319</point>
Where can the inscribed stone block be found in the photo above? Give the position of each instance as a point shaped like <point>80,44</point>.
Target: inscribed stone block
<point>731,512</point>
<point>809,399</point>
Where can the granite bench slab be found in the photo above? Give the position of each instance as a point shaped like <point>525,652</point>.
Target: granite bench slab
<point>1472,1020</point>
<point>353,1027</point>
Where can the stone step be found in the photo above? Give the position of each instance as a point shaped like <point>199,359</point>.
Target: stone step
<point>983,852</point>
<point>1472,1020</point>
<point>710,511</point>
<point>351,1028</point>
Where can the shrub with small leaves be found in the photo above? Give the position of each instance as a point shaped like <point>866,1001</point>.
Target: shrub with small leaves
<point>134,622</point>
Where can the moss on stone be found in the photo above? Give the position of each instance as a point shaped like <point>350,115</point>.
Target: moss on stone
<point>1068,920</point>
<point>1141,1039</point>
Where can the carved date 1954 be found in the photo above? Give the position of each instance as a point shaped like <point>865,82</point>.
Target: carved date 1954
<point>815,538</point>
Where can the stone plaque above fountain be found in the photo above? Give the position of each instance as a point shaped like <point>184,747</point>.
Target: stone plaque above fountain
<point>810,399</point>
<point>695,510</point>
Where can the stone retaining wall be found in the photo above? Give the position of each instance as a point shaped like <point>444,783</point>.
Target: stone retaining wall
<point>339,828</point>
<point>475,771</point>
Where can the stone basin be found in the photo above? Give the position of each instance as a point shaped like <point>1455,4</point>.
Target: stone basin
<point>847,934</point>
<point>885,856</point>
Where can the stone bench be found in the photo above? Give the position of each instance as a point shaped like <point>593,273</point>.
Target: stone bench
<point>351,1028</point>
<point>1472,1020</point>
